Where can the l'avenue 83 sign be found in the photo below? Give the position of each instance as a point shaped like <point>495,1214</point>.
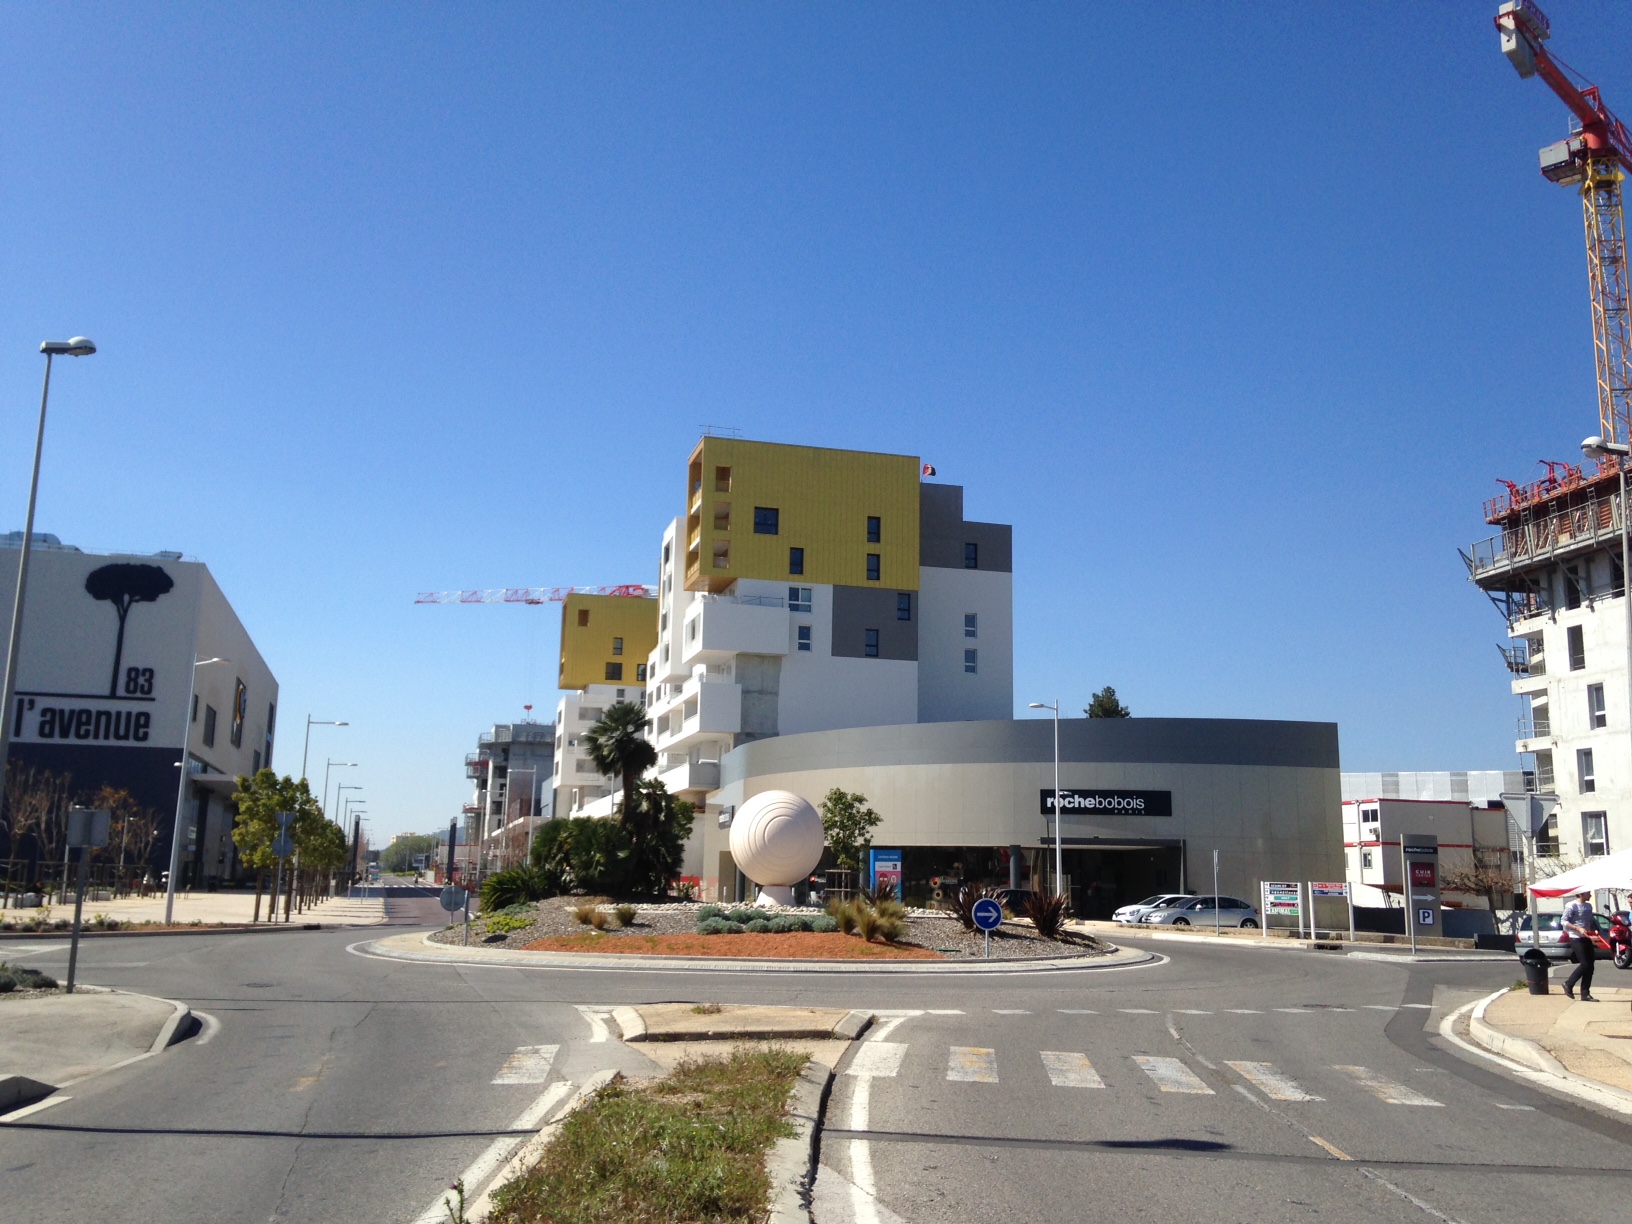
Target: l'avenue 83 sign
<point>1109,802</point>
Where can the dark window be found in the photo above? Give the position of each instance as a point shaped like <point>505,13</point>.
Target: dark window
<point>666,549</point>
<point>875,528</point>
<point>870,643</point>
<point>271,719</point>
<point>617,646</point>
<point>804,637</point>
<point>1585,777</point>
<point>209,726</point>
<point>1572,587</point>
<point>971,661</point>
<point>640,672</point>
<point>799,599</point>
<point>872,567</point>
<point>256,768</point>
<point>583,618</point>
<point>722,480</point>
<point>971,624</point>
<point>766,520</point>
<point>1578,648</point>
<point>195,707</point>
<point>614,671</point>
<point>796,560</point>
<point>1596,714</point>
<point>903,605</point>
<point>971,556</point>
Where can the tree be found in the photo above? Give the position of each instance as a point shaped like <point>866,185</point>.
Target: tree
<point>256,805</point>
<point>848,824</point>
<point>37,806</point>
<point>122,585</point>
<point>399,855</point>
<point>132,827</point>
<point>1105,705</point>
<point>617,745</point>
<point>1486,880</point>
<point>658,826</point>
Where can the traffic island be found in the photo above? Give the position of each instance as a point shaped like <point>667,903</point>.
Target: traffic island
<point>1552,1033</point>
<point>50,1040</point>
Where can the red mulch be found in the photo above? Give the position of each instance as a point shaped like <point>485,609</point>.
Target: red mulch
<point>792,945</point>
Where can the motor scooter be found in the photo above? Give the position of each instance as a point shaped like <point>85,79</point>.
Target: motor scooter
<point>1619,939</point>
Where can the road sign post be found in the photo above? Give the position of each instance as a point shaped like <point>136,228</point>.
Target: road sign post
<point>988,916</point>
<point>87,830</point>
<point>1282,898</point>
<point>1330,888</point>
<point>282,848</point>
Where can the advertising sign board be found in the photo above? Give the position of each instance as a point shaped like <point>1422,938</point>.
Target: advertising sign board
<point>1282,899</point>
<point>1107,802</point>
<point>885,868</point>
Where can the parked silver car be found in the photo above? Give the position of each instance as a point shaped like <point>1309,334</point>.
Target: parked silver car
<point>1202,911</point>
<point>1136,911</point>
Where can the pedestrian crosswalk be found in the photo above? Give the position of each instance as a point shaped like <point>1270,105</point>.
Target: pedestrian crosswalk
<point>1168,1074</point>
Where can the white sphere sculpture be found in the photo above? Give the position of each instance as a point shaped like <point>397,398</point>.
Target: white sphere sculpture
<point>777,840</point>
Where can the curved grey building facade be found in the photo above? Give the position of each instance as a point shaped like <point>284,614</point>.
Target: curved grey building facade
<point>1146,802</point>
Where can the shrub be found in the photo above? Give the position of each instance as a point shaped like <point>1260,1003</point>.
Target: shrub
<point>597,919</point>
<point>962,902</point>
<point>758,926</point>
<point>731,928</point>
<point>24,978</point>
<point>788,923</point>
<point>884,892</point>
<point>712,926</point>
<point>705,912</point>
<point>586,914</point>
<point>503,924</point>
<point>511,887</point>
<point>685,890</point>
<point>7,983</point>
<point>625,914</point>
<point>745,914</point>
<point>824,924</point>
<point>844,917</point>
<point>1047,913</point>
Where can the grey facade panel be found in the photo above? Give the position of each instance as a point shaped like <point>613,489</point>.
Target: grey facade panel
<point>1170,741</point>
<point>858,609</point>
<point>943,531</point>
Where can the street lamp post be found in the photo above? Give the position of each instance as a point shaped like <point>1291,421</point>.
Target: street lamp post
<point>1059,856</point>
<point>79,346</point>
<point>310,723</point>
<point>328,765</point>
<point>181,787</point>
<point>1596,448</point>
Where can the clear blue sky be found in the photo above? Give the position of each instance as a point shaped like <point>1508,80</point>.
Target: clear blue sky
<point>1236,312</point>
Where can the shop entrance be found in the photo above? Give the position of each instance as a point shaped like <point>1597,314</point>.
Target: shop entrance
<point>1102,878</point>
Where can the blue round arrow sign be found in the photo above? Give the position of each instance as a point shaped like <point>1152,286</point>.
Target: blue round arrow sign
<point>988,914</point>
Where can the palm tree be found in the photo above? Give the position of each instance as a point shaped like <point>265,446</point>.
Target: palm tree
<point>617,744</point>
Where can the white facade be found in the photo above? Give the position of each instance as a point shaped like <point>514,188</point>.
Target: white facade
<point>1372,829</point>
<point>1482,787</point>
<point>963,611</point>
<point>577,783</point>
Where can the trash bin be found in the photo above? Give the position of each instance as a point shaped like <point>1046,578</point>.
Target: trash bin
<point>1536,967</point>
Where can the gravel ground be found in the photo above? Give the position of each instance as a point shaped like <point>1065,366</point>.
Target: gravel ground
<point>1011,941</point>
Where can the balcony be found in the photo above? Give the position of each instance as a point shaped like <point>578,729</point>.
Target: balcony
<point>1594,523</point>
<point>690,776</point>
<point>723,625</point>
<point>1535,728</point>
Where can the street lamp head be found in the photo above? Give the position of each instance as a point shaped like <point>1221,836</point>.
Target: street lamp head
<point>79,346</point>
<point>207,662</point>
<point>1596,447</point>
<point>1037,705</point>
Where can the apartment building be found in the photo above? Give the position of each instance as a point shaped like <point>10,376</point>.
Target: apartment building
<point>513,769</point>
<point>809,589</point>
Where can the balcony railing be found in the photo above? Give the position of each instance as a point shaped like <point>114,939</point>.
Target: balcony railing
<point>1535,728</point>
<point>1563,531</point>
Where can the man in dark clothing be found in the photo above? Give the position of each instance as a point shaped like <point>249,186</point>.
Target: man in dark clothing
<point>1580,924</point>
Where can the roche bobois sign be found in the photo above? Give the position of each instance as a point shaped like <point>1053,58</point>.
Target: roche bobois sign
<point>1109,802</point>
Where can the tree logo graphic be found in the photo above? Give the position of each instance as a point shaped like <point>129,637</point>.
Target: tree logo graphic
<point>123,585</point>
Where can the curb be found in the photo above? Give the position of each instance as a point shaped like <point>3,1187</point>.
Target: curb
<point>1605,1096</point>
<point>533,1150</point>
<point>790,1165</point>
<point>1462,958</point>
<point>853,1025</point>
<point>1520,1049</point>
<point>265,928</point>
<point>18,1090</point>
<point>168,1035</point>
<point>630,1022</point>
<point>1125,958</point>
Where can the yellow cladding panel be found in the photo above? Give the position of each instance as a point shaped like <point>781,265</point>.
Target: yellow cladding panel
<point>593,627</point>
<point>822,500</point>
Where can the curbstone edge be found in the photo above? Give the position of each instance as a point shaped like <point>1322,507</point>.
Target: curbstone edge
<point>631,1023</point>
<point>1509,1045</point>
<point>790,1165</point>
<point>853,1025</point>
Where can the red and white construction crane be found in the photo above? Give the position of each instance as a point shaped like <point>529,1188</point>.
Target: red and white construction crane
<point>534,595</point>
<point>1595,158</point>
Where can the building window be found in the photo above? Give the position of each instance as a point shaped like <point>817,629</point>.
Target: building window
<point>1365,860</point>
<point>869,645</point>
<point>614,671</point>
<point>583,618</point>
<point>209,726</point>
<point>903,605</point>
<point>766,520</point>
<point>971,624</point>
<point>1547,838</point>
<point>663,623</point>
<point>1596,715</point>
<point>796,560</point>
<point>663,655</point>
<point>617,646</point>
<point>722,516</point>
<point>1578,648</point>
<point>875,529</point>
<point>667,548</point>
<point>872,567</point>
<point>804,637</point>
<point>1583,771</point>
<point>1595,833</point>
<point>256,767</point>
<point>971,661</point>
<point>722,480</point>
<point>798,599</point>
<point>195,707</point>
<point>722,554</point>
<point>971,556</point>
<point>691,629</point>
<point>640,672</point>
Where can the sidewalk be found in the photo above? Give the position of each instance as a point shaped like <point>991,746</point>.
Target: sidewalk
<point>58,1039</point>
<point>215,908</point>
<point>1592,1040</point>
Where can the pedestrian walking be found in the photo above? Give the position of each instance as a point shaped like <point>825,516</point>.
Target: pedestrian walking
<point>1580,924</point>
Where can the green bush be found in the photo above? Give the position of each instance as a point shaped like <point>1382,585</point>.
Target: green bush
<point>713,925</point>
<point>787,923</point>
<point>758,926</point>
<point>745,914</point>
<point>7,983</point>
<point>732,928</point>
<point>625,914</point>
<point>705,912</point>
<point>503,923</point>
<point>24,978</point>
<point>512,887</point>
<point>824,924</point>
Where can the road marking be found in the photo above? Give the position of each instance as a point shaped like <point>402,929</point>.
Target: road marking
<point>1274,1084</point>
<point>17,1115</point>
<point>1419,1006</point>
<point>528,1065</point>
<point>972,1065</point>
<point>1386,1090</point>
<point>894,1021</point>
<point>944,1011</point>
<point>1340,1154</point>
<point>1381,1007</point>
<point>1137,1011</point>
<point>1501,1105</point>
<point>1010,1011</point>
<point>597,1022</point>
<point>1067,1070</point>
<point>1292,1011</point>
<point>1243,1011</point>
<point>863,1191</point>
<point>489,1162</point>
<point>1190,1011</point>
<point>1410,1198</point>
<point>1171,1075</point>
<point>1076,1011</point>
<point>877,1058</point>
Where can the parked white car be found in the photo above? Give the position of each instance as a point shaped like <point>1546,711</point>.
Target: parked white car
<point>1204,911</point>
<point>1133,913</point>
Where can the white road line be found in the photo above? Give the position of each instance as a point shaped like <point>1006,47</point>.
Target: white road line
<point>1419,1006</point>
<point>1273,1083</point>
<point>1137,1011</point>
<point>1386,1090</point>
<point>597,1021</point>
<point>1381,1007</point>
<point>17,1115</point>
<point>1503,1105</point>
<point>1010,1011</point>
<point>528,1065</point>
<point>1076,1011</point>
<point>490,1161</point>
<point>877,1058</point>
<point>971,1065</point>
<point>1188,1011</point>
<point>1171,1075</point>
<point>943,1011</point>
<point>863,1191</point>
<point>1066,1070</point>
<point>1293,1011</point>
<point>894,1021</point>
<point>1243,1011</point>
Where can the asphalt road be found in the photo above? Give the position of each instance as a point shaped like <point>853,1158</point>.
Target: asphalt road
<point>327,1085</point>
